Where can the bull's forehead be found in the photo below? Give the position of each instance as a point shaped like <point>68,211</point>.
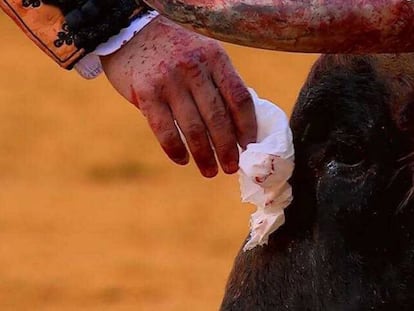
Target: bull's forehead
<point>394,71</point>
<point>352,92</point>
<point>397,71</point>
<point>396,68</point>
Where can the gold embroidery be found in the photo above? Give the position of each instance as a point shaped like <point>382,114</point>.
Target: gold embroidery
<point>42,24</point>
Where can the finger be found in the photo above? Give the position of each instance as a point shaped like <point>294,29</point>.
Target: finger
<point>218,121</point>
<point>192,126</point>
<point>238,99</point>
<point>161,121</point>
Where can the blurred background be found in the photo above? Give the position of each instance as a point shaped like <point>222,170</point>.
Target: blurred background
<point>92,214</point>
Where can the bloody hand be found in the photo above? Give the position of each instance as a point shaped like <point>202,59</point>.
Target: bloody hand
<point>174,75</point>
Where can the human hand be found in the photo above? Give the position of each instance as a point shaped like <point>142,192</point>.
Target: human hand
<point>172,74</point>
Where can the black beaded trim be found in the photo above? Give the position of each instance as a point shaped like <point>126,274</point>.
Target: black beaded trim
<point>31,3</point>
<point>64,37</point>
<point>92,22</point>
<point>66,5</point>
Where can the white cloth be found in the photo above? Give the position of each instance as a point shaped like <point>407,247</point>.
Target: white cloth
<point>90,65</point>
<point>265,167</point>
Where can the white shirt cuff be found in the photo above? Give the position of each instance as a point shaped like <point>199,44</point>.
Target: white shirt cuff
<point>90,65</point>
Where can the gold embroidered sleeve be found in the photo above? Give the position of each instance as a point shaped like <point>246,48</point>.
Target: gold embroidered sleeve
<point>45,26</point>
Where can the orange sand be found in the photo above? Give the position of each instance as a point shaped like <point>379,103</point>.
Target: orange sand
<point>92,214</point>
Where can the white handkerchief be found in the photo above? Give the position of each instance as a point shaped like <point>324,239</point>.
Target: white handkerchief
<point>265,167</point>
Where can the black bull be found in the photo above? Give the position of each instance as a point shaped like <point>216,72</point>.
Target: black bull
<point>348,241</point>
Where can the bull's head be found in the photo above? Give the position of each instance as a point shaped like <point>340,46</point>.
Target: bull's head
<point>348,241</point>
<point>314,26</point>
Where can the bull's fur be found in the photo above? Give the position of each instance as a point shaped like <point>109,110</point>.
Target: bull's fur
<point>348,241</point>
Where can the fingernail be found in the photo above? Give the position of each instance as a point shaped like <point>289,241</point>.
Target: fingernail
<point>231,167</point>
<point>244,141</point>
<point>181,161</point>
<point>210,172</point>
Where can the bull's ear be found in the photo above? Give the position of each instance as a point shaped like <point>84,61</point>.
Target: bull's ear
<point>361,26</point>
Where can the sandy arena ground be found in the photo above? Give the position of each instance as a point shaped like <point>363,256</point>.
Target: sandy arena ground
<point>92,214</point>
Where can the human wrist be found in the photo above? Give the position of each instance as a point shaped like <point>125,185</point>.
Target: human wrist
<point>90,66</point>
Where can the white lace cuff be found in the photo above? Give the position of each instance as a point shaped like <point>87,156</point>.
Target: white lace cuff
<point>90,65</point>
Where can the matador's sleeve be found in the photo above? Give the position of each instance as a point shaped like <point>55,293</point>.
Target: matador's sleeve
<point>66,30</point>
